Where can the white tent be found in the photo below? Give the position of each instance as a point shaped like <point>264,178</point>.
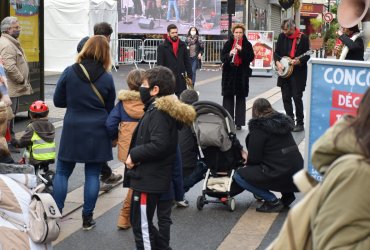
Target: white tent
<point>68,21</point>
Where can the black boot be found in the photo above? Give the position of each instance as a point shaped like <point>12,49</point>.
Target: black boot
<point>287,199</point>
<point>271,207</point>
<point>87,222</point>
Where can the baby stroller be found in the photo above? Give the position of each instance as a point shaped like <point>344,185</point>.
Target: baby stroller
<point>219,149</point>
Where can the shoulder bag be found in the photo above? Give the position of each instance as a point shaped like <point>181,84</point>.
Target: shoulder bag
<point>92,85</point>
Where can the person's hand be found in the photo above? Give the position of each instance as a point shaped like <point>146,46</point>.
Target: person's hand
<point>280,67</point>
<point>244,155</point>
<point>129,163</point>
<point>233,52</point>
<point>238,47</point>
<point>199,56</point>
<point>340,32</point>
<point>295,62</point>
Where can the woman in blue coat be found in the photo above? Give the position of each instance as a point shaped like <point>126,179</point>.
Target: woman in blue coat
<point>84,136</point>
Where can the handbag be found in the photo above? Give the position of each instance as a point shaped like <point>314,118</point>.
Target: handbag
<point>92,85</point>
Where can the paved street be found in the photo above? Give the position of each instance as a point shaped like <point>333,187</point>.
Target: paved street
<point>213,228</point>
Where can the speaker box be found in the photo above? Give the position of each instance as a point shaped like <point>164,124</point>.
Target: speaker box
<point>146,23</point>
<point>231,7</point>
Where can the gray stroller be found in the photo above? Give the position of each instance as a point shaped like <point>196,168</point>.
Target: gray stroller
<point>219,149</point>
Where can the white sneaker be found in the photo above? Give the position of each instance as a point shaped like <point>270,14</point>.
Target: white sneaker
<point>183,203</point>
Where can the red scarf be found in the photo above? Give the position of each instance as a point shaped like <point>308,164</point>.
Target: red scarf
<point>175,45</point>
<point>295,36</point>
<point>237,58</point>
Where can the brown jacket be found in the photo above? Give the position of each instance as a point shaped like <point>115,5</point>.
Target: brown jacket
<point>132,110</point>
<point>16,67</point>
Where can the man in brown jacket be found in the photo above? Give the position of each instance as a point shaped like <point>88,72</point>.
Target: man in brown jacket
<point>15,63</point>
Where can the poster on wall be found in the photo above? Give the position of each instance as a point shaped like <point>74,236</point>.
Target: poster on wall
<point>27,12</point>
<point>262,42</point>
<point>153,16</point>
<point>335,88</point>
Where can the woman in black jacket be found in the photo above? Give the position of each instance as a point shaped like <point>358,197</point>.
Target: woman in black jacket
<point>273,158</point>
<point>236,56</point>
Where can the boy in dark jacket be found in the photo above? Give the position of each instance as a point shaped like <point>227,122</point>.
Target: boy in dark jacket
<point>153,151</point>
<point>39,135</point>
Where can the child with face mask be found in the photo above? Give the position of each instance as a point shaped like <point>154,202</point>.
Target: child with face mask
<point>153,152</point>
<point>120,124</point>
<point>195,48</point>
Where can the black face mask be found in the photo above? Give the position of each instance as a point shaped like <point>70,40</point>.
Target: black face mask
<point>145,94</point>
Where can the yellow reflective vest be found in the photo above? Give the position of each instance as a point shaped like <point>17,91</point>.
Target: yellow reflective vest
<point>42,150</point>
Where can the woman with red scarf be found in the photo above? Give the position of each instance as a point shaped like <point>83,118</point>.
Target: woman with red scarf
<point>292,43</point>
<point>236,56</point>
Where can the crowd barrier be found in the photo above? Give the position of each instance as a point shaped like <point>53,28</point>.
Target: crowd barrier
<point>132,51</point>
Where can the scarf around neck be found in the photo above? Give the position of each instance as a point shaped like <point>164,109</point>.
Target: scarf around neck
<point>295,36</point>
<point>237,59</point>
<point>175,45</point>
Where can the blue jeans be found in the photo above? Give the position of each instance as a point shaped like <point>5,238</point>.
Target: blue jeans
<point>194,66</point>
<point>263,193</point>
<point>196,176</point>
<point>174,4</point>
<point>91,187</point>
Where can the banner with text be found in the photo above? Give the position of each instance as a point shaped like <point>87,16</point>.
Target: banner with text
<point>263,47</point>
<point>335,88</point>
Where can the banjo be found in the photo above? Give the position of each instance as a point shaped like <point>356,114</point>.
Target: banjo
<point>286,61</point>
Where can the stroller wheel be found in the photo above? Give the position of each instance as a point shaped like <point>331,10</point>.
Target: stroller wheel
<point>200,202</point>
<point>231,204</point>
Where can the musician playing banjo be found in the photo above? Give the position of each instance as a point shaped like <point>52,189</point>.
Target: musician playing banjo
<point>292,44</point>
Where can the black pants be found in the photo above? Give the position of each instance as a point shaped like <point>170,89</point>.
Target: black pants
<point>239,107</point>
<point>164,210</point>
<point>289,90</point>
<point>147,236</point>
<point>106,171</point>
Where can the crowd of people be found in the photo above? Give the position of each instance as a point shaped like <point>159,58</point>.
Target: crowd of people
<point>151,124</point>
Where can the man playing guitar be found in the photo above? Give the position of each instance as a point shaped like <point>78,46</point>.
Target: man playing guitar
<point>292,43</point>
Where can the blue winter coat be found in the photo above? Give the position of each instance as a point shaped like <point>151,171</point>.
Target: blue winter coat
<point>84,135</point>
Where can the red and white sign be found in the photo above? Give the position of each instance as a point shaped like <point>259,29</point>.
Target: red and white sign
<point>262,42</point>
<point>328,17</point>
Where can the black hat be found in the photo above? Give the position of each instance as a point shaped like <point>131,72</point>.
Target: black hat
<point>189,96</point>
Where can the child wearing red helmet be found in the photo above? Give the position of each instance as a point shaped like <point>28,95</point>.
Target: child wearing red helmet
<point>39,135</point>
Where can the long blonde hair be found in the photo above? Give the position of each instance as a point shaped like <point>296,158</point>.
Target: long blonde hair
<point>97,48</point>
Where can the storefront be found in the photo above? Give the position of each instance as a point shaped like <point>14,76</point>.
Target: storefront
<point>309,11</point>
<point>30,15</point>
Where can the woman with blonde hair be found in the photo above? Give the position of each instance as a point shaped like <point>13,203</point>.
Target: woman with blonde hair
<point>86,89</point>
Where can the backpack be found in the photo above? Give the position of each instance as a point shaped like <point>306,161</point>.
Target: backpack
<point>43,214</point>
<point>43,218</point>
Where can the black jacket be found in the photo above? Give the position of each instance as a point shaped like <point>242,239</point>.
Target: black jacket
<point>179,65</point>
<point>273,155</point>
<point>283,47</point>
<point>355,48</point>
<point>154,143</point>
<point>189,149</point>
<point>235,80</point>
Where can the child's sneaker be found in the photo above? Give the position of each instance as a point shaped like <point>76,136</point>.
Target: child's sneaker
<point>183,203</point>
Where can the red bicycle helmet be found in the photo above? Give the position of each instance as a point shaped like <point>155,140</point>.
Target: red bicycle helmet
<point>39,108</point>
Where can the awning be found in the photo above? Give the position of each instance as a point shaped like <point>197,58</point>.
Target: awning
<point>308,14</point>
